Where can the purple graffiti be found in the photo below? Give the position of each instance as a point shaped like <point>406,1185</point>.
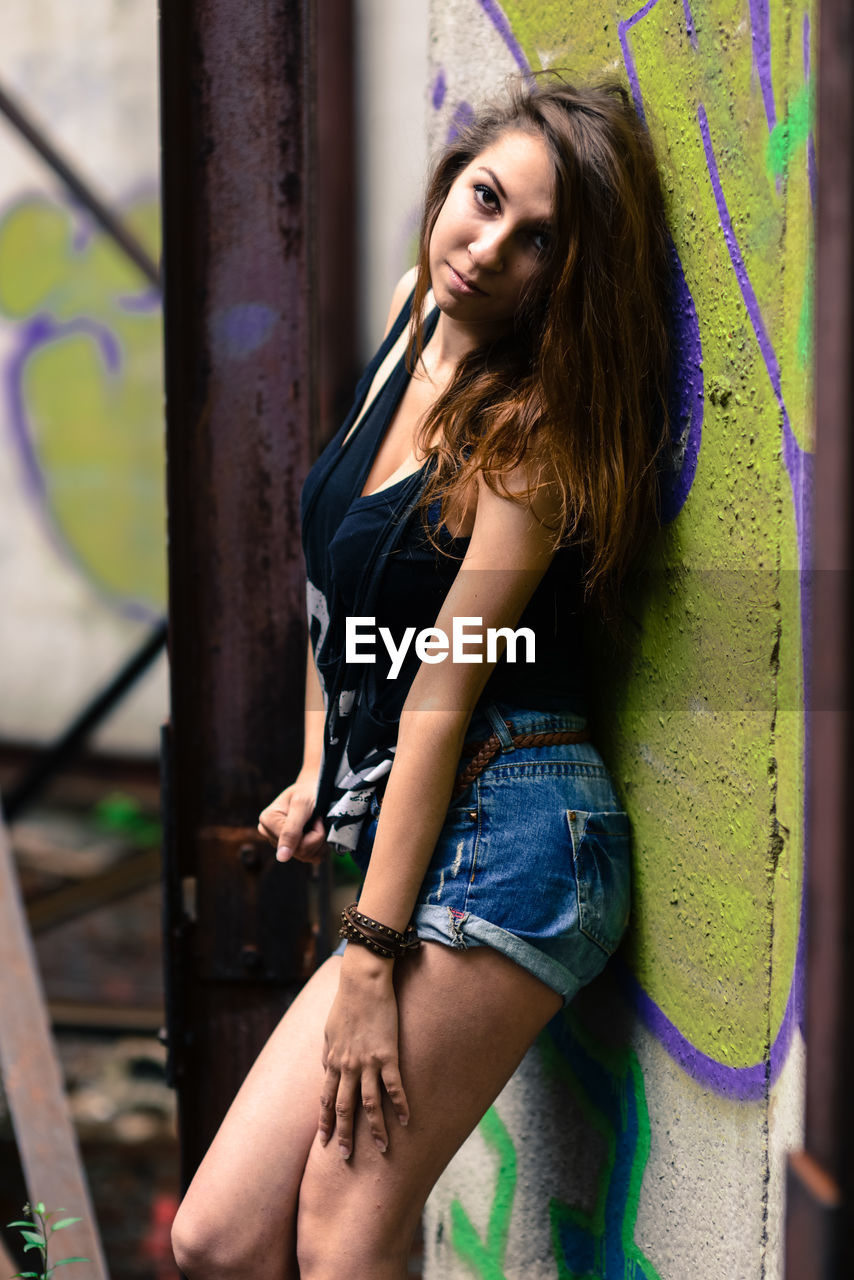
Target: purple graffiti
<point>242,328</point>
<point>502,26</point>
<point>685,398</point>
<point>747,1084</point>
<point>799,467</point>
<point>631,71</point>
<point>760,27</point>
<point>37,333</point>
<point>148,300</point>
<point>461,119</point>
<point>689,23</point>
<point>796,459</point>
<point>440,88</point>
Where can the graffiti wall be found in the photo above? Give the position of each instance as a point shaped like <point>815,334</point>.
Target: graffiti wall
<point>82,549</point>
<point>645,1134</point>
<point>82,546</point>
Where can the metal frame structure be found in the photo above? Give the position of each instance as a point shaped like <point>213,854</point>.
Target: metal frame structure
<point>240,181</point>
<point>819,1236</point>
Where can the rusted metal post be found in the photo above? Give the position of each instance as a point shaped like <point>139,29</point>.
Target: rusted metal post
<point>238,186</point>
<point>819,1224</point>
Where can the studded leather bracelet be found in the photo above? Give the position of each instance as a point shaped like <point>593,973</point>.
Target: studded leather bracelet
<point>384,941</point>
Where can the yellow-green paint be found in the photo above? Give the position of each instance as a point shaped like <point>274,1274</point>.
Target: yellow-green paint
<point>703,720</point>
<point>88,388</point>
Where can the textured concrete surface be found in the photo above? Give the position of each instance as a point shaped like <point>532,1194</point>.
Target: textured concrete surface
<point>82,563</point>
<point>685,1065</point>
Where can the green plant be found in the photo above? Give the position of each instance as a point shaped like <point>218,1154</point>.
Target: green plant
<point>37,1233</point>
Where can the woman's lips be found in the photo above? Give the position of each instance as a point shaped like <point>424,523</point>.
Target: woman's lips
<point>462,284</point>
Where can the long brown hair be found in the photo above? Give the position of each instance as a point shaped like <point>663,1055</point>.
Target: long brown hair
<point>577,388</point>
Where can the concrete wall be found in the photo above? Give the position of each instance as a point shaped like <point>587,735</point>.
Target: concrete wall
<point>645,1133</point>
<point>82,565</point>
<point>391,78</point>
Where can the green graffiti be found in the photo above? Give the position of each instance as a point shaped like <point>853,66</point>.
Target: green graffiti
<point>790,134</point>
<point>86,393</point>
<point>609,1086</point>
<point>805,318</point>
<point>486,1258</point>
<point>594,1245</point>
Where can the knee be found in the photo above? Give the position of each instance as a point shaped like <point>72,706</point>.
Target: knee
<point>201,1249</point>
<point>192,1245</point>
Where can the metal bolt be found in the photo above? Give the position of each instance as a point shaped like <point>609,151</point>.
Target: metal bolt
<point>250,857</point>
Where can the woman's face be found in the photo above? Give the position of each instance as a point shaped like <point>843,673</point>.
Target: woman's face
<point>488,239</point>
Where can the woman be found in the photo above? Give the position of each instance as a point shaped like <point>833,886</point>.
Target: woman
<point>496,473</point>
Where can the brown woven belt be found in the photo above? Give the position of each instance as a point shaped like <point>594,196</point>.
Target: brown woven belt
<point>484,752</point>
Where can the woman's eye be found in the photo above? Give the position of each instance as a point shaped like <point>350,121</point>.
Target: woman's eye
<point>485,195</point>
<point>540,240</point>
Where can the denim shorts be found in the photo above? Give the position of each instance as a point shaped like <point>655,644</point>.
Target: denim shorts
<point>533,857</point>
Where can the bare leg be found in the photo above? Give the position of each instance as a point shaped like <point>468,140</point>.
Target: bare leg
<point>466,1020</point>
<point>238,1217</point>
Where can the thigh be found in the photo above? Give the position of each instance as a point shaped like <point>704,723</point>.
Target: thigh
<point>244,1195</point>
<point>466,1020</point>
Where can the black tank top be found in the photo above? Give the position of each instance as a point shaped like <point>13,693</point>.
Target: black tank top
<point>371,557</point>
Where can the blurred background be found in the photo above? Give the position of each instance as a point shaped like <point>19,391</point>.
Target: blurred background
<point>82,546</point>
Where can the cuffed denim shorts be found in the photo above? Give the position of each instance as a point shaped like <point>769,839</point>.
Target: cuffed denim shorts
<point>533,857</point>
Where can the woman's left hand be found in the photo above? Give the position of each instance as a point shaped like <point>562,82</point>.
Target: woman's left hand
<point>360,1055</point>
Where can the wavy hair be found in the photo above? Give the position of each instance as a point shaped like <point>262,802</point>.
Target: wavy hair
<point>576,389</point>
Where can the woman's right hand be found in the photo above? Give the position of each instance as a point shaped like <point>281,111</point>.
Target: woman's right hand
<point>283,822</point>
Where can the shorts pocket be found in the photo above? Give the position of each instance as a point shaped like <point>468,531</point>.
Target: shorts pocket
<point>600,851</point>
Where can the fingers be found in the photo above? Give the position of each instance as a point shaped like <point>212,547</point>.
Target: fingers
<point>340,1097</point>
<point>345,1105</point>
<point>373,1107</point>
<point>285,823</point>
<point>394,1088</point>
<point>312,845</point>
<point>328,1097</point>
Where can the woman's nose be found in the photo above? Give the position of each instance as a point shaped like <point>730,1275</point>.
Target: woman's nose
<point>488,250</point>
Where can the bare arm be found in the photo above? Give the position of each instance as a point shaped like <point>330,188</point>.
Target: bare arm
<point>508,554</point>
<point>507,557</point>
<point>284,821</point>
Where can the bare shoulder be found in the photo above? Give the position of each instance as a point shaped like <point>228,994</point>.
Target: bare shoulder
<point>402,290</point>
<point>517,512</point>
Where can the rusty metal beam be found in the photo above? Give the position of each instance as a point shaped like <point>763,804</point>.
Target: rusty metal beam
<point>238,188</point>
<point>819,1233</point>
<point>32,1079</point>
